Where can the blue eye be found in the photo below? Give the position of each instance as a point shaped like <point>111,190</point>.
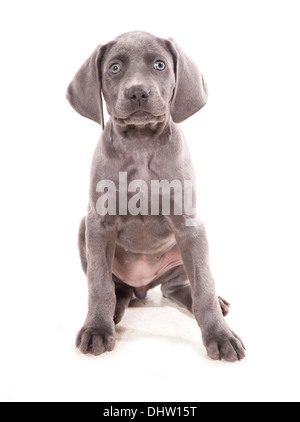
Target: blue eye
<point>115,68</point>
<point>159,65</point>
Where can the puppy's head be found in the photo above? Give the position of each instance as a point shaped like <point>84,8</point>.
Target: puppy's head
<point>143,79</point>
<point>138,78</point>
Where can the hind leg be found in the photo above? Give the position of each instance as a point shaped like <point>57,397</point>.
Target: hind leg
<point>82,245</point>
<point>124,295</point>
<point>178,289</point>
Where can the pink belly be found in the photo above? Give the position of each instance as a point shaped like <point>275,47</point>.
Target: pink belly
<point>140,270</point>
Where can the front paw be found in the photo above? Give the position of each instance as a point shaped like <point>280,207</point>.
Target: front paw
<point>224,344</point>
<point>95,340</point>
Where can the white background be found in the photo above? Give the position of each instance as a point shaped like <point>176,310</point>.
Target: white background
<point>245,145</point>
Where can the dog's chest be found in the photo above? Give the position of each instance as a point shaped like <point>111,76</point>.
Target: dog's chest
<point>140,167</point>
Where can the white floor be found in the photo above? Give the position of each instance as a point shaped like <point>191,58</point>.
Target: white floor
<point>159,356</point>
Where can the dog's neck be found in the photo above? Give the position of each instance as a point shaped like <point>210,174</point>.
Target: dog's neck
<point>154,132</point>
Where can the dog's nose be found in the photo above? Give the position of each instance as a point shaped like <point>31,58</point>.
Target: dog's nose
<point>138,94</point>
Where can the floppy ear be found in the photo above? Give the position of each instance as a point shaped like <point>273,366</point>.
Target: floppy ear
<point>84,92</point>
<point>190,93</point>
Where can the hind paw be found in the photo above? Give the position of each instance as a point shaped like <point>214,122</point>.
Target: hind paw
<point>224,306</point>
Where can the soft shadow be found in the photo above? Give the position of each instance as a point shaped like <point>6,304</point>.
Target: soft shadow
<point>124,334</point>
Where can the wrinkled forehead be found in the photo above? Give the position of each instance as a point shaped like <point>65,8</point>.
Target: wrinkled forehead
<point>136,45</point>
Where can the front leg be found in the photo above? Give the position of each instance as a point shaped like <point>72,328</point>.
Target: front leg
<point>219,340</point>
<point>98,332</point>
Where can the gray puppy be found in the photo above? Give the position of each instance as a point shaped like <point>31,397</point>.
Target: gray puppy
<point>149,85</point>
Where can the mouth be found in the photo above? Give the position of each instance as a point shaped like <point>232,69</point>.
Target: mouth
<point>141,118</point>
